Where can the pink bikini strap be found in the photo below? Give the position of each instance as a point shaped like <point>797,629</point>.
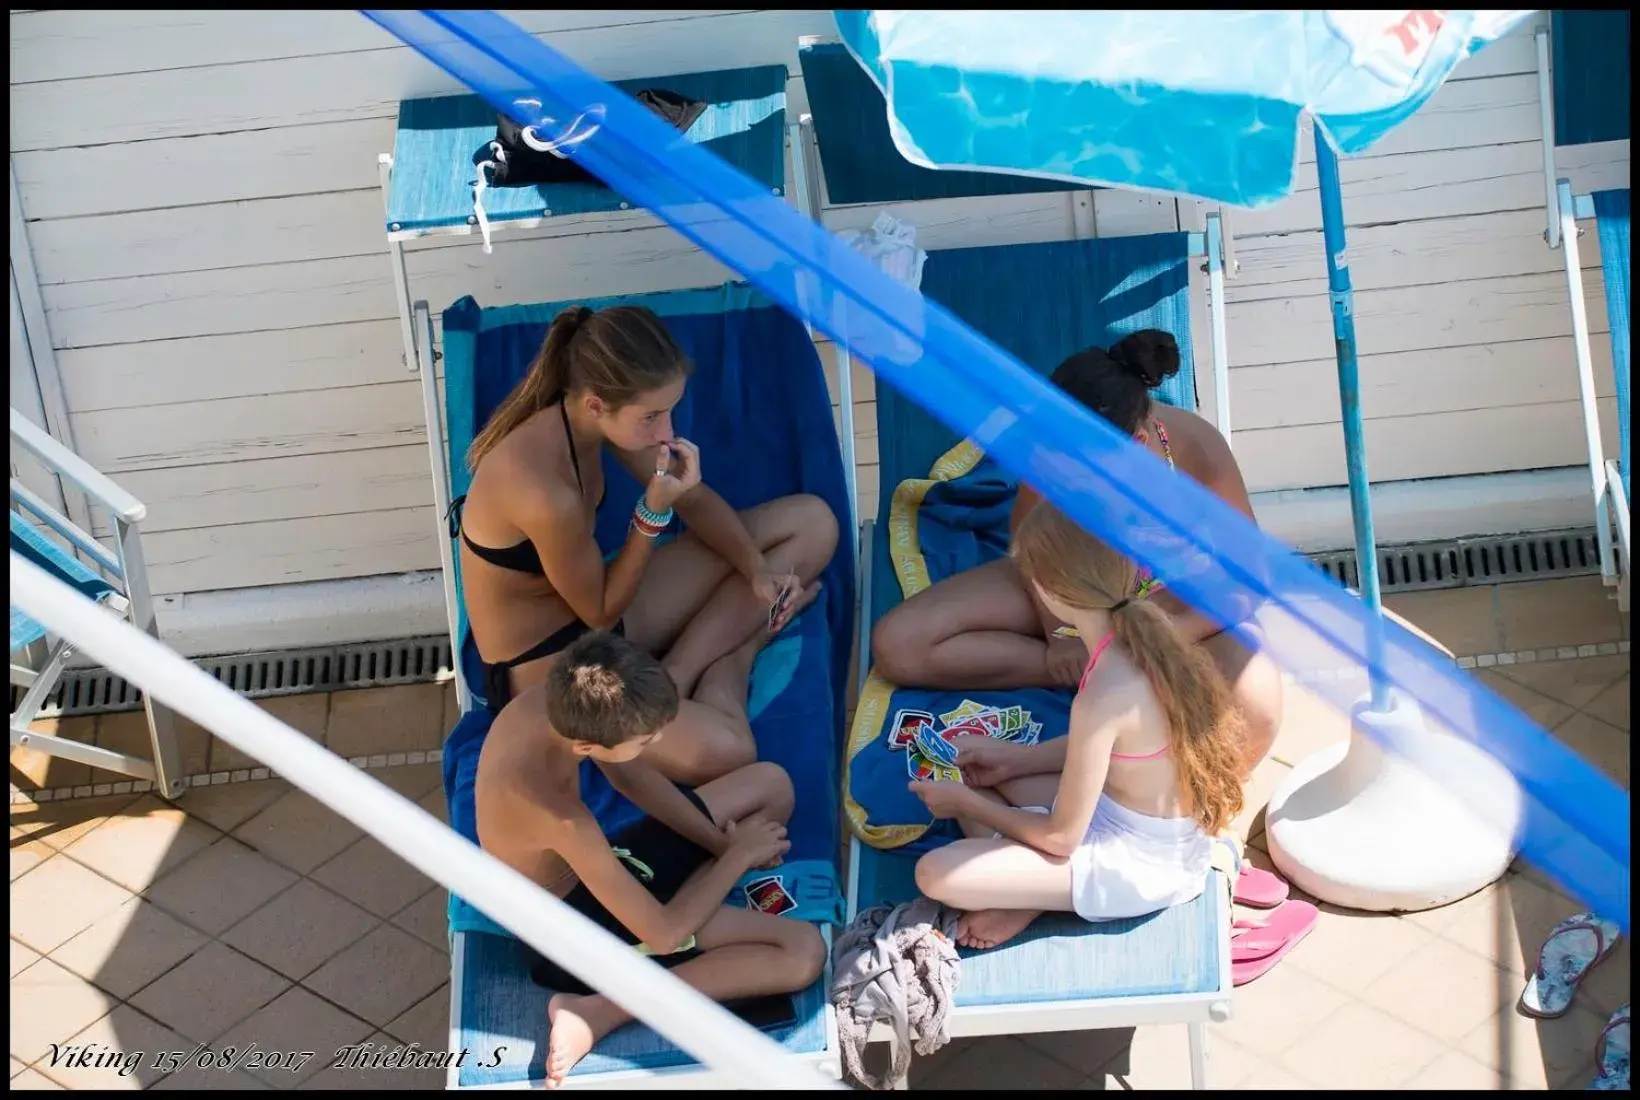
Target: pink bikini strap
<point>1098,651</point>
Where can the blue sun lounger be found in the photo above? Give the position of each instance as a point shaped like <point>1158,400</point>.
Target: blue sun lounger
<point>120,583</point>
<point>943,510</point>
<point>1585,102</point>
<point>758,407</point>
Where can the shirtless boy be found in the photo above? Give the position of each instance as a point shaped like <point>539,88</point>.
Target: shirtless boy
<point>661,883</point>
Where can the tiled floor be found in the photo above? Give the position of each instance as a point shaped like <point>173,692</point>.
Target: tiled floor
<point>250,914</point>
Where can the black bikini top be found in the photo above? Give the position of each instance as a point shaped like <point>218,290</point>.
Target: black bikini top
<point>521,557</point>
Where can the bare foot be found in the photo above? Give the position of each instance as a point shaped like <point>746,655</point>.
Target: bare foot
<point>989,928</point>
<point>572,1035</point>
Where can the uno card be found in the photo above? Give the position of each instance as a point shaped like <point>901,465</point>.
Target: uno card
<point>952,775</point>
<point>906,724</point>
<point>768,895</point>
<point>936,746</point>
<point>970,727</point>
<point>918,766</point>
<point>964,710</point>
<point>1014,718</point>
<point>991,719</point>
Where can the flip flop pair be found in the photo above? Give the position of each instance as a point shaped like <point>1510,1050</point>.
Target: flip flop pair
<point>1257,945</point>
<point>1574,948</point>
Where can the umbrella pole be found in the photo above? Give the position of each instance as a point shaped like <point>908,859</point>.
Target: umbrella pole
<point>1349,395</point>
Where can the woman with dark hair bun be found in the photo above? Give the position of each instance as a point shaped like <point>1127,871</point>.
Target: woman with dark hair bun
<point>986,629</point>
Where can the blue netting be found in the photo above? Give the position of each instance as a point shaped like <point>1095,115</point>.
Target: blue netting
<point>1576,825</point>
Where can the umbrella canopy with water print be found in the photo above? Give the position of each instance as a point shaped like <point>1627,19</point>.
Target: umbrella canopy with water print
<point>1211,105</point>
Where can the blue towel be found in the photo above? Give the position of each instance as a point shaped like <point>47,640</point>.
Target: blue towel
<point>952,521</point>
<point>30,543</point>
<point>758,408</point>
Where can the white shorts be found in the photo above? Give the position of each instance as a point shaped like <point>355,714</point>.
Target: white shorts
<point>1130,864</point>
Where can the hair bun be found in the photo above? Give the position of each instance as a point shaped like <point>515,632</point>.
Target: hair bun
<point>571,319</point>
<point>1151,355</point>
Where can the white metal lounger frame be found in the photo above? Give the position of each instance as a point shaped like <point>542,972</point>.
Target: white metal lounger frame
<point>125,568</point>
<point>1565,210</point>
<point>421,356</point>
<point>1194,1010</point>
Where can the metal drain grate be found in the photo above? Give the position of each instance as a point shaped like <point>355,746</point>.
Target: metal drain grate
<point>275,672</point>
<point>1496,559</point>
<point>1454,564</point>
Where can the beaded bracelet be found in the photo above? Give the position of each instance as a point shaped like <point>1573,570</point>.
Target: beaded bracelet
<point>652,518</point>
<point>648,523</point>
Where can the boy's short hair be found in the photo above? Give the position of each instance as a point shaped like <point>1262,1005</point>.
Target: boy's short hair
<point>605,690</point>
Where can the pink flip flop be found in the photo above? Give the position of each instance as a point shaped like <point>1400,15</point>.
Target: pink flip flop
<point>1258,888</point>
<point>1256,946</point>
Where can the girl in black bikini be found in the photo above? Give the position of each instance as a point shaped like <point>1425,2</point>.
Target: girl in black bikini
<point>533,577</point>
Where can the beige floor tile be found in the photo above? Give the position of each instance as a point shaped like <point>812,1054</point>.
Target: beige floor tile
<point>17,1067</point>
<point>1350,950</point>
<point>1612,705</point>
<point>1229,1064</point>
<point>923,1068</point>
<point>141,844</point>
<point>427,918</point>
<point>1606,747</point>
<point>1512,934</point>
<point>298,931</point>
<point>1003,1062</point>
<point>127,1045</point>
<point>1443,990</point>
<point>127,732</point>
<point>1537,1054</point>
<point>382,975</point>
<point>298,1021</point>
<point>22,958</point>
<point>1308,723</point>
<point>1569,611</point>
<point>1463,620</point>
<point>1256,793</point>
<point>26,855</point>
<point>1486,900</point>
<point>1540,708</point>
<point>1158,1058</point>
<point>1278,1010</point>
<point>1457,1071</point>
<point>50,1005</point>
<point>403,718</point>
<point>229,805</point>
<point>129,948</point>
<point>33,770</point>
<point>298,832</point>
<point>306,713</point>
<point>350,1077</point>
<point>60,824</point>
<point>211,991</point>
<point>220,886</point>
<point>1084,1051</point>
<point>370,875</point>
<point>1272,1077</point>
<point>452,707</point>
<point>426,1022</point>
<point>192,1078</point>
<point>58,900</point>
<point>1359,1047</point>
<point>1576,683</point>
<point>413,781</point>
<point>29,1079</point>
